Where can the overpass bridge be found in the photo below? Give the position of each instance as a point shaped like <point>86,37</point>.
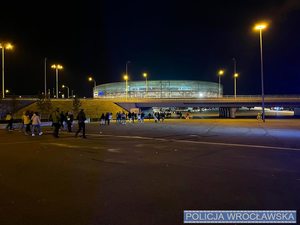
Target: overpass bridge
<point>227,104</point>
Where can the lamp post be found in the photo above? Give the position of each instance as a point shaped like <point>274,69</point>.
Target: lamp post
<point>64,86</point>
<point>45,77</point>
<point>234,72</point>
<point>126,69</point>
<point>260,27</point>
<point>92,79</point>
<point>4,46</point>
<point>145,75</point>
<point>57,67</point>
<point>220,73</point>
<point>125,77</point>
<point>235,76</point>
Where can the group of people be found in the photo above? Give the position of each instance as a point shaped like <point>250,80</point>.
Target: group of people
<point>105,119</point>
<point>65,120</point>
<point>121,117</point>
<point>131,117</point>
<point>159,117</point>
<point>60,119</point>
<point>31,122</point>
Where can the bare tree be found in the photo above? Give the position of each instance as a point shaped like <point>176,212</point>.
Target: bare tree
<point>76,105</point>
<point>44,105</point>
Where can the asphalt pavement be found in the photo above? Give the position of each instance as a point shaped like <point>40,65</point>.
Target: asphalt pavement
<point>148,173</point>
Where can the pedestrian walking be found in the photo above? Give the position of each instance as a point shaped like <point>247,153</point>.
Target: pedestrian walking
<point>36,124</point>
<point>62,120</point>
<point>107,118</point>
<point>70,119</point>
<point>142,117</point>
<point>55,118</point>
<point>81,125</point>
<point>27,121</point>
<point>102,119</point>
<point>9,119</point>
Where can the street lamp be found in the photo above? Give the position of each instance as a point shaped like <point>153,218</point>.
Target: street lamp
<point>92,79</point>
<point>260,27</point>
<point>145,75</point>
<point>125,77</point>
<point>235,76</point>
<point>64,86</point>
<point>220,73</point>
<point>126,69</point>
<point>3,46</point>
<point>57,67</point>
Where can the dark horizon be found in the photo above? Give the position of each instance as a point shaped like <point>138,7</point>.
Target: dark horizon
<point>177,40</point>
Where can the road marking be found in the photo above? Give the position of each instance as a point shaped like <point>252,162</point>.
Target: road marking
<point>201,142</point>
<point>19,142</point>
<point>72,146</point>
<point>155,139</point>
<point>113,150</point>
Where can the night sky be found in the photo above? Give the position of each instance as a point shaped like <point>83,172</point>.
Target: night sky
<point>168,39</point>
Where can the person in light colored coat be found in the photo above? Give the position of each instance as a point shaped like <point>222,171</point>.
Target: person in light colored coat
<point>36,124</point>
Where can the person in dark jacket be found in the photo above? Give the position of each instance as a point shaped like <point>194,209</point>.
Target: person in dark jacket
<point>81,125</point>
<point>55,118</point>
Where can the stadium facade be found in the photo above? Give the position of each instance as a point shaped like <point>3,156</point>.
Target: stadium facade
<point>158,89</point>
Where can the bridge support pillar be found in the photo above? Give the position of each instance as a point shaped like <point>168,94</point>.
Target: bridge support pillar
<point>297,112</point>
<point>227,112</point>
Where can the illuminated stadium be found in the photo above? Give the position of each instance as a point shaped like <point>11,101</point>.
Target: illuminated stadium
<point>158,89</point>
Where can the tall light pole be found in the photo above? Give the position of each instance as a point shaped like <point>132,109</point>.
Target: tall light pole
<point>126,69</point>
<point>45,76</point>
<point>92,79</point>
<point>260,27</point>
<point>57,67</point>
<point>145,75</point>
<point>220,73</point>
<point>125,77</point>
<point>3,46</point>
<point>64,86</point>
<point>235,76</point>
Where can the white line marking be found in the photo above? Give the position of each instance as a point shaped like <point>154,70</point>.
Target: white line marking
<point>157,139</point>
<point>202,142</point>
<point>19,142</point>
<point>113,150</point>
<point>72,146</point>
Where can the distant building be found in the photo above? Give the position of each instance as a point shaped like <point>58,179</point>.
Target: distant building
<point>158,89</point>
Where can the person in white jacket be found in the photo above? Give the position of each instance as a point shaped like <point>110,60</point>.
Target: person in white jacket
<point>36,123</point>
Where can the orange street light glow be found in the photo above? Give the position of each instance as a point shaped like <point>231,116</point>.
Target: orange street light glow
<point>260,26</point>
<point>59,67</point>
<point>9,46</point>
<point>221,72</point>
